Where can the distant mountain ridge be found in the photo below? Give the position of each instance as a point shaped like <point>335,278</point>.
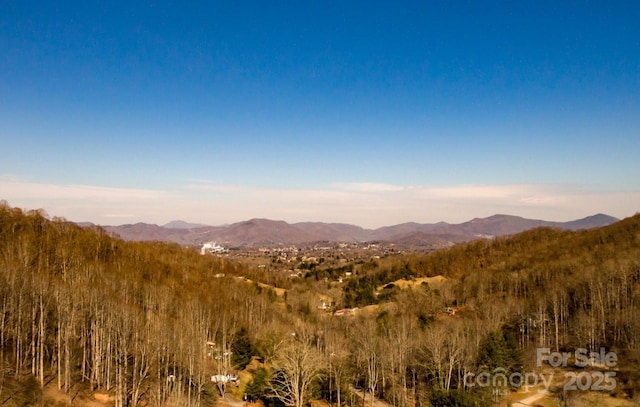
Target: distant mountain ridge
<point>180,224</point>
<point>266,232</point>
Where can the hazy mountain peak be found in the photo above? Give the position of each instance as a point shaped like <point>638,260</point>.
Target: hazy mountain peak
<point>597,220</point>
<point>180,224</point>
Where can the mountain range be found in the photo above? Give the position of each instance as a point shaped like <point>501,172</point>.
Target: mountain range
<point>266,232</point>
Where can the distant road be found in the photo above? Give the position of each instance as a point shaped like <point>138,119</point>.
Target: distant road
<point>528,402</point>
<point>230,401</point>
<point>367,398</point>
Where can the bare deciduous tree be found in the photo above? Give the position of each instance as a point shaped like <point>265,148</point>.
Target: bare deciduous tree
<point>297,365</point>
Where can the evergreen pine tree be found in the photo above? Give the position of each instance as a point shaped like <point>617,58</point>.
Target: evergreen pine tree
<point>241,349</point>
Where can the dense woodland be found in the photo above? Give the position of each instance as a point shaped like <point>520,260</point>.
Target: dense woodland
<point>149,324</point>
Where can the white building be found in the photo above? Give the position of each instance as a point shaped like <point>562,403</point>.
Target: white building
<point>212,247</point>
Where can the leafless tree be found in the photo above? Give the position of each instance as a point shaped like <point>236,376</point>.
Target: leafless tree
<point>296,366</point>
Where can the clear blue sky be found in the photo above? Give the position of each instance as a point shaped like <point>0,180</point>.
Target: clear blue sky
<point>363,112</point>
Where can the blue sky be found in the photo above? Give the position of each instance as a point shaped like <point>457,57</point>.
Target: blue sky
<point>362,112</point>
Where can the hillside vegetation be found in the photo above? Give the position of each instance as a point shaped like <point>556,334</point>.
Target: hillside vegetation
<point>151,323</point>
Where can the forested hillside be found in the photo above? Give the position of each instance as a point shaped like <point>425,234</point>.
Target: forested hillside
<point>83,313</point>
<point>81,308</point>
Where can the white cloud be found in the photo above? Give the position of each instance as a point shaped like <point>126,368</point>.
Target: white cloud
<point>82,202</point>
<point>365,204</point>
<point>369,187</point>
<point>119,215</point>
<point>27,190</point>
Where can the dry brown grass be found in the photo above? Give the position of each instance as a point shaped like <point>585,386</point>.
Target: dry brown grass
<point>433,282</point>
